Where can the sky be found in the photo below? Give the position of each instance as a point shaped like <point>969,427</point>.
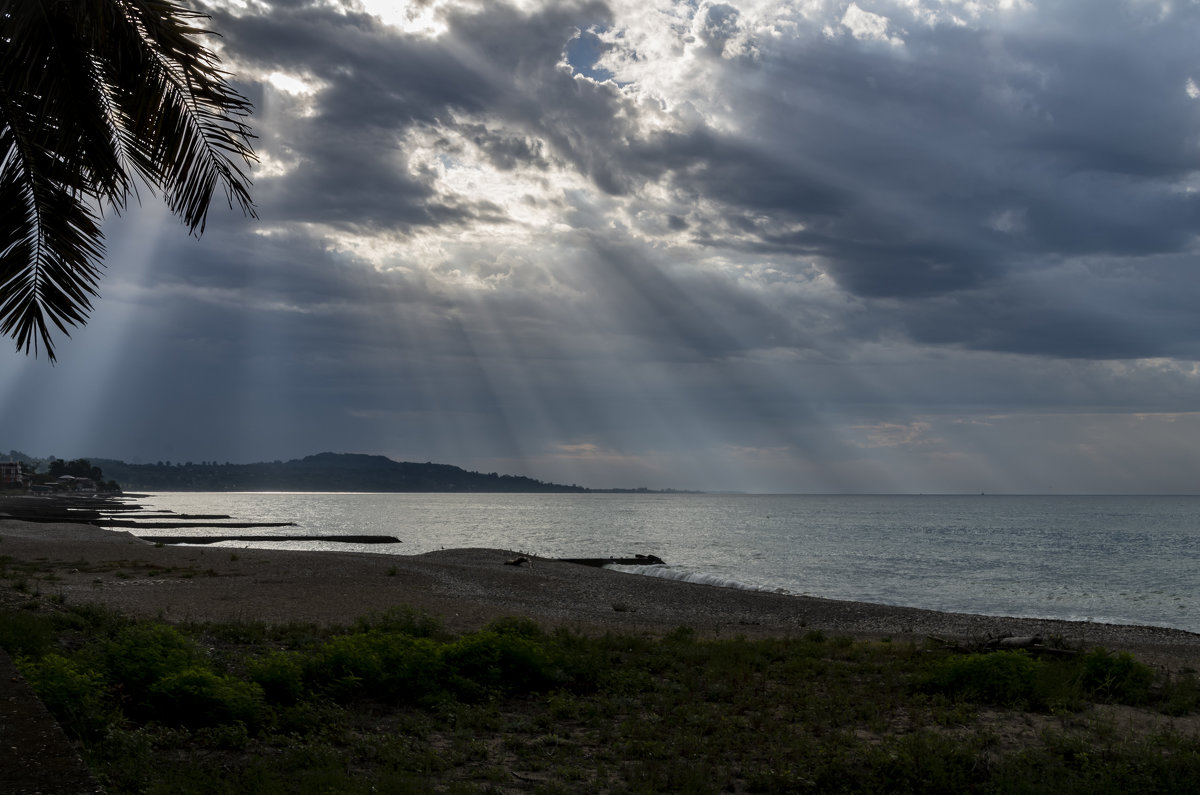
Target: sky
<point>810,246</point>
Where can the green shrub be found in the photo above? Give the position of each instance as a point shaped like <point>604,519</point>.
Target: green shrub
<point>75,696</point>
<point>1115,677</point>
<point>1003,678</point>
<point>141,654</point>
<point>196,697</point>
<point>380,665</point>
<point>492,661</point>
<point>280,675</point>
<point>583,662</point>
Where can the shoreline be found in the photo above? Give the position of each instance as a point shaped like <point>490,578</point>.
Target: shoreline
<point>468,588</point>
<point>739,585</point>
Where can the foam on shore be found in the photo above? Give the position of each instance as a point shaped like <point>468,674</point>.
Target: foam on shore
<point>699,577</point>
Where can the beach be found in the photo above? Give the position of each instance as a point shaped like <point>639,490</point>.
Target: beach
<point>468,588</point>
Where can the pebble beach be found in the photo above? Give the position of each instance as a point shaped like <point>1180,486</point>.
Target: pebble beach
<point>468,588</point>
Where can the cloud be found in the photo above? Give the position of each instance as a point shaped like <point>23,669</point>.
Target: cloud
<point>792,246</point>
<point>866,25</point>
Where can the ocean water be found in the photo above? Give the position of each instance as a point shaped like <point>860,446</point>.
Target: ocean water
<point>1125,560</point>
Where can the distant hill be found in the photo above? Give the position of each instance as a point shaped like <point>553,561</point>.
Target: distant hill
<point>321,472</point>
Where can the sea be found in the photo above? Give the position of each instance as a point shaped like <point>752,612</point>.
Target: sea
<point>1109,559</point>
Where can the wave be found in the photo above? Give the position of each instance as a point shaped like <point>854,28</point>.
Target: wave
<point>698,577</point>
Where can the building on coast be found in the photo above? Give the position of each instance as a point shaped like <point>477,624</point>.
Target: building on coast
<point>11,475</point>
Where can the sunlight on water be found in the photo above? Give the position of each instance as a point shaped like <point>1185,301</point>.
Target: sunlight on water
<point>1109,559</point>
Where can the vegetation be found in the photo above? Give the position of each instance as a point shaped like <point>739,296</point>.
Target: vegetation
<point>56,468</point>
<point>79,468</point>
<point>96,97</point>
<point>392,703</point>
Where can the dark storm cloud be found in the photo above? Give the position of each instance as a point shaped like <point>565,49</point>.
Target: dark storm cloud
<point>933,179</point>
<point>379,78</point>
<point>949,164</point>
<point>1101,308</point>
<point>712,239</point>
<point>741,174</point>
<point>960,161</point>
<point>943,148</point>
<point>352,168</point>
<point>376,85</point>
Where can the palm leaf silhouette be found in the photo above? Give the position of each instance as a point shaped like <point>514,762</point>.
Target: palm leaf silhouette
<point>95,95</point>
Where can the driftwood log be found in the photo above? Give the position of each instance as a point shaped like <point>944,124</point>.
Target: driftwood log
<point>1034,644</point>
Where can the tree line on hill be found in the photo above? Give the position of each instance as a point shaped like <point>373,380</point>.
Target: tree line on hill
<point>321,472</point>
<point>59,475</point>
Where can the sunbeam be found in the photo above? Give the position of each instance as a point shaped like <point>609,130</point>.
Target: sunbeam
<point>898,246</point>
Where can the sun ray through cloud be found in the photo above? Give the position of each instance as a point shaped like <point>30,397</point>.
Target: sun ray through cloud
<point>754,245</point>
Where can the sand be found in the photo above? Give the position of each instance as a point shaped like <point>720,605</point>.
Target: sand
<point>467,588</point>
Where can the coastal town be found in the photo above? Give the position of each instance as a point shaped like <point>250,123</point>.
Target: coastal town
<point>60,477</point>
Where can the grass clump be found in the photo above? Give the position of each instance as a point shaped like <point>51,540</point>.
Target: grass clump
<point>1118,678</point>
<point>1003,678</point>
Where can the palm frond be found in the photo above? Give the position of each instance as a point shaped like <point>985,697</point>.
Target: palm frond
<point>92,92</point>
<point>48,265</point>
<point>184,119</point>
